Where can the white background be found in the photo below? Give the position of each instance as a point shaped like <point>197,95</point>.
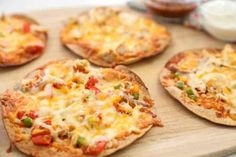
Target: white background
<point>7,6</point>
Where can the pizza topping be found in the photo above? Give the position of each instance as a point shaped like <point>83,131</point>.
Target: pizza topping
<point>135,96</point>
<point>34,48</point>
<point>28,122</point>
<point>196,84</point>
<point>191,94</point>
<point>81,141</point>
<point>32,115</point>
<point>93,121</point>
<point>41,136</point>
<point>36,131</point>
<point>63,134</point>
<point>80,68</point>
<point>95,150</point>
<point>48,122</point>
<point>193,97</point>
<point>42,140</point>
<point>20,114</point>
<point>91,85</point>
<point>26,118</point>
<point>180,85</point>
<point>93,110</point>
<point>177,74</point>
<point>117,86</point>
<point>26,27</point>
<point>188,63</point>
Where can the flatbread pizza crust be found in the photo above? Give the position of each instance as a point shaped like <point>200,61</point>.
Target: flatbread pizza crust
<point>29,148</point>
<point>172,66</point>
<point>22,140</point>
<point>120,54</point>
<point>23,55</point>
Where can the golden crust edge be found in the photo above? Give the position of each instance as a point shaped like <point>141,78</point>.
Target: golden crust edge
<point>40,151</point>
<point>80,51</point>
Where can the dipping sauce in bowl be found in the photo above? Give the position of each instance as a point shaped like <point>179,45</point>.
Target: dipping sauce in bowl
<point>171,8</point>
<point>218,18</point>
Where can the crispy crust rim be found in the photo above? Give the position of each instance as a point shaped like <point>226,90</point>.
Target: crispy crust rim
<point>21,60</point>
<point>207,114</point>
<point>27,147</point>
<point>84,50</point>
<point>84,53</point>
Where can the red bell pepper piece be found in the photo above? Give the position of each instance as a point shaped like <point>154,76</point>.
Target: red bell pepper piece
<point>34,49</point>
<point>48,122</point>
<point>42,140</point>
<point>91,85</point>
<point>20,114</point>
<point>26,27</point>
<point>32,115</point>
<point>41,136</point>
<point>95,150</point>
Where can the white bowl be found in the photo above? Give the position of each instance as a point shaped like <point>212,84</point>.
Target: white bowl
<point>220,23</point>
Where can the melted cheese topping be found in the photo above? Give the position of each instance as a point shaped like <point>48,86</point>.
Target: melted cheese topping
<point>13,36</point>
<point>216,74</point>
<point>60,95</point>
<point>114,30</point>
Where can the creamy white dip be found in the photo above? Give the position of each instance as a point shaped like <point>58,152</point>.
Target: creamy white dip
<point>219,19</point>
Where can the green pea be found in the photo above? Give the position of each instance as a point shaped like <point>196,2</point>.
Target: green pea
<point>180,85</point>
<point>190,92</point>
<point>80,141</point>
<point>135,96</point>
<point>177,74</point>
<point>27,122</point>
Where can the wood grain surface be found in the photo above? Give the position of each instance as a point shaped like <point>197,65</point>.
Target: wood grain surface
<point>184,134</point>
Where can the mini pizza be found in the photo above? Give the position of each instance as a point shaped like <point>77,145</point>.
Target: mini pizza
<point>203,80</point>
<point>70,109</point>
<point>109,36</point>
<point>21,40</point>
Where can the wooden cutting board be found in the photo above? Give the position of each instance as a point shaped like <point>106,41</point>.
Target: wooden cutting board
<point>184,133</point>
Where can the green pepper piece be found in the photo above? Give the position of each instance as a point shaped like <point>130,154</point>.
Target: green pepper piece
<point>135,96</point>
<point>190,92</point>
<point>27,122</point>
<point>117,86</point>
<point>193,97</point>
<point>80,141</point>
<point>180,85</point>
